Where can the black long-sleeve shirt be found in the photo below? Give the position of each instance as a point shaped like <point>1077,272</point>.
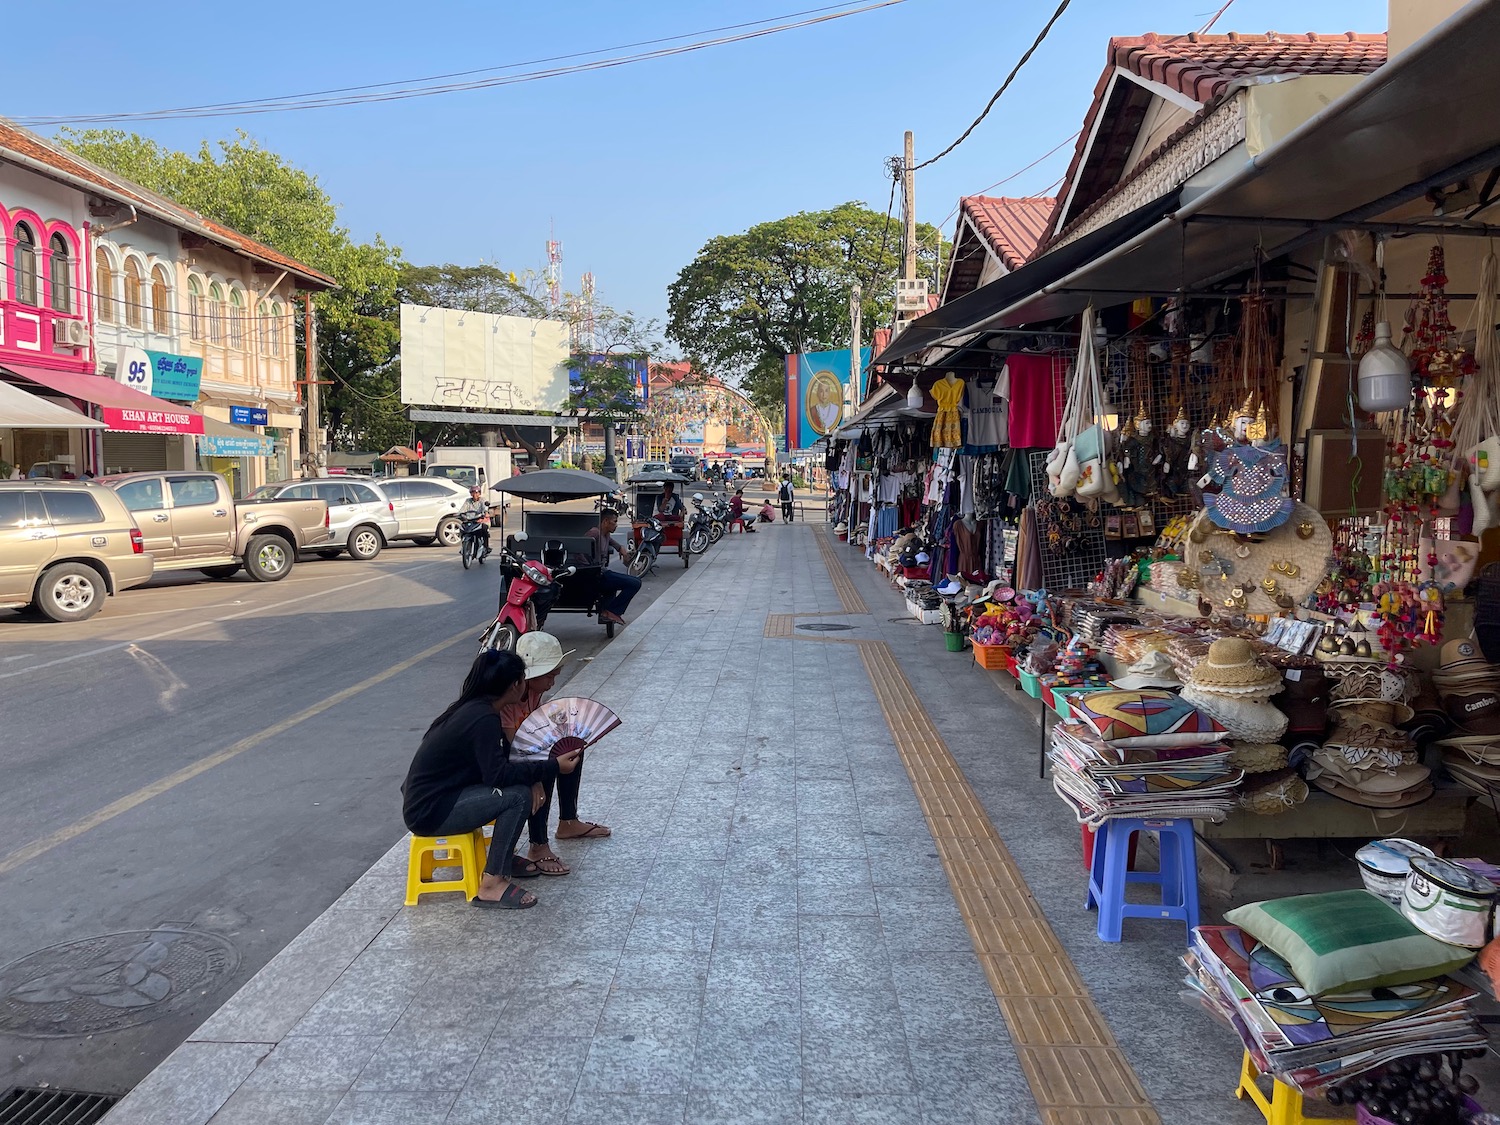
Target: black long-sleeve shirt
<point>468,748</point>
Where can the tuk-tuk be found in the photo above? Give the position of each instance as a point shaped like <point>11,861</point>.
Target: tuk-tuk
<point>651,536</point>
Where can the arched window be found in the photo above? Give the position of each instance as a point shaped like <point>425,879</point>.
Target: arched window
<point>61,273</point>
<point>25,265</point>
<point>135,315</point>
<point>237,319</point>
<point>215,314</point>
<point>195,308</point>
<point>273,333</point>
<point>161,303</point>
<point>104,289</point>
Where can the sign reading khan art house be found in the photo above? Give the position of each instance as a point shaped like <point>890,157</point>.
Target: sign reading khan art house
<point>134,420</point>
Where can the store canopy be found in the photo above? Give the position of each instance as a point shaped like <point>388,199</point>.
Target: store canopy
<point>26,411</point>
<point>961,316</point>
<point>220,439</point>
<point>122,409</point>
<point>1382,145</point>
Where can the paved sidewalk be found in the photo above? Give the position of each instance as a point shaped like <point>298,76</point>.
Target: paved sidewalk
<point>783,930</point>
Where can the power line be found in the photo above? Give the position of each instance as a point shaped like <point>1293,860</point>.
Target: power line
<point>1009,178</point>
<point>419,88</point>
<point>1061,8</point>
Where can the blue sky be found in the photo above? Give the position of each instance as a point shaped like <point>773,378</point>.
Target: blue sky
<point>635,167</point>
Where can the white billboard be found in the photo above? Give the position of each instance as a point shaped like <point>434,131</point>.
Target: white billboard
<point>497,363</point>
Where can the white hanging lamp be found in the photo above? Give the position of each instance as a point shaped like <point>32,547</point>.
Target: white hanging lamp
<point>1384,370</point>
<point>914,395</point>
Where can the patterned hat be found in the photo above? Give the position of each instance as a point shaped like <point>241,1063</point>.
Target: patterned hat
<point>1232,668</point>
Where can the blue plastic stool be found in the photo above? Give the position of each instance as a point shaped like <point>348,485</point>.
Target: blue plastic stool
<point>1177,875</point>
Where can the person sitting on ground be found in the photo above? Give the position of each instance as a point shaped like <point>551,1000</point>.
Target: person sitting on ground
<point>616,588</point>
<point>668,505</point>
<point>544,656</point>
<point>737,509</point>
<point>462,775</point>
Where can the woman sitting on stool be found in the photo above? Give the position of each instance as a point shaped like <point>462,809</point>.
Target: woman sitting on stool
<point>462,776</point>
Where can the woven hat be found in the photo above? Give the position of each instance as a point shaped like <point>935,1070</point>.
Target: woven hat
<point>1248,720</point>
<point>1154,670</point>
<point>1232,666</point>
<point>1481,750</point>
<point>1477,775</point>
<point>1273,793</point>
<point>1384,712</point>
<point>1375,800</point>
<point>1476,713</point>
<point>1377,781</point>
<point>1257,757</point>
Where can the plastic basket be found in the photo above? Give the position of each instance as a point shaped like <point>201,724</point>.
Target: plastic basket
<point>1030,684</point>
<point>994,657</point>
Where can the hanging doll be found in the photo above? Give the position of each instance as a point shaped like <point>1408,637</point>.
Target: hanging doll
<point>1173,453</point>
<point>1138,457</point>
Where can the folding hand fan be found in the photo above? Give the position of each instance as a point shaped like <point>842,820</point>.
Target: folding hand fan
<point>562,726</point>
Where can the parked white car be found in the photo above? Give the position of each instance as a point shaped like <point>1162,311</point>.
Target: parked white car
<point>427,508</point>
<point>361,518</point>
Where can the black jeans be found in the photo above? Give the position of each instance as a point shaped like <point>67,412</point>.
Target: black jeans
<point>476,806</point>
<point>567,803</point>
<point>786,511</point>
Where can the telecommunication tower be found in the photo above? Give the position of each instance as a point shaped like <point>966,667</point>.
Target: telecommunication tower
<point>554,274</point>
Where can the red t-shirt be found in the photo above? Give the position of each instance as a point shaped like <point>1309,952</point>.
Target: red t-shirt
<point>1035,401</point>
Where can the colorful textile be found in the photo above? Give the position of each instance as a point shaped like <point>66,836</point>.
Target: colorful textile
<point>946,432</point>
<point>1035,400</point>
<point>1146,718</point>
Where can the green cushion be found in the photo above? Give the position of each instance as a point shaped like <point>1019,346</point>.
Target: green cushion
<point>1346,941</point>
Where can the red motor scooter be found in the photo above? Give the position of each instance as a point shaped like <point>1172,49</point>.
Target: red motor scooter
<point>518,613</point>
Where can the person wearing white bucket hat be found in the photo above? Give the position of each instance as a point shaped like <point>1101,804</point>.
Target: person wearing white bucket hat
<point>544,656</point>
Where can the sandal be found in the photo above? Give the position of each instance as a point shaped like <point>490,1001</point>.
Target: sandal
<point>524,868</point>
<point>514,898</point>
<point>591,831</point>
<point>550,865</point>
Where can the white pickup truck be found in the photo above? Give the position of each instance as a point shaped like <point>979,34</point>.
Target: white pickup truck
<point>191,522</point>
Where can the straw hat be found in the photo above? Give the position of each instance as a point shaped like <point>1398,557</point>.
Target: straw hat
<point>1232,668</point>
<point>1478,749</point>
<point>1400,800</point>
<point>1248,720</point>
<point>1388,713</point>
<point>1274,793</point>
<point>1257,757</point>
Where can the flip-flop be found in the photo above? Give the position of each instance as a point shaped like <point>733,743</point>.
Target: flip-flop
<point>524,868</point>
<point>558,866</point>
<point>592,832</point>
<point>514,898</point>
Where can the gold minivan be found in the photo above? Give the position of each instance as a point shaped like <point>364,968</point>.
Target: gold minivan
<point>64,545</point>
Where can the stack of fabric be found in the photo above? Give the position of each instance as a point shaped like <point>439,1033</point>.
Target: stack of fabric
<point>1323,987</point>
<point>1141,754</point>
<point>1235,686</point>
<point>1368,759</point>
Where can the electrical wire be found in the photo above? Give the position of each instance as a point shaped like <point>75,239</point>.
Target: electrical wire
<point>418,88</point>
<point>1012,176</point>
<point>1215,18</point>
<point>1009,78</point>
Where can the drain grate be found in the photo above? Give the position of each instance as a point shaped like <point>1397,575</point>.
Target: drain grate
<point>825,627</point>
<point>53,1107</point>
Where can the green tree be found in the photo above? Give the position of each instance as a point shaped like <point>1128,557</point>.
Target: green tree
<point>746,301</point>
<point>484,288</point>
<point>242,185</point>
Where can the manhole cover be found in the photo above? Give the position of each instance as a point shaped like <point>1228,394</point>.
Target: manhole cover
<point>111,981</point>
<point>825,627</point>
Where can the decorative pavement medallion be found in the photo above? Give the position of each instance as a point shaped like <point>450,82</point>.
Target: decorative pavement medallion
<point>111,981</point>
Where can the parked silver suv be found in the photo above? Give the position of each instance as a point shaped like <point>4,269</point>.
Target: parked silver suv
<point>361,518</point>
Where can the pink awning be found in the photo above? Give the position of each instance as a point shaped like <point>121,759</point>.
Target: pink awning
<point>121,408</point>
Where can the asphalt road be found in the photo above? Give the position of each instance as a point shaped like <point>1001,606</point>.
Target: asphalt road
<point>221,757</point>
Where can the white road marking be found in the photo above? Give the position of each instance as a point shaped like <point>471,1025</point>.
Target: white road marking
<point>100,651</point>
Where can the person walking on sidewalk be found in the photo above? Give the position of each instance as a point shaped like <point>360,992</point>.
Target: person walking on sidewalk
<point>616,588</point>
<point>543,654</point>
<point>786,496</point>
<point>462,776</point>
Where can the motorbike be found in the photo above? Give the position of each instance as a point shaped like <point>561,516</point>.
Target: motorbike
<point>648,548</point>
<point>471,544</point>
<point>518,615</point>
<point>697,530</point>
<point>718,519</point>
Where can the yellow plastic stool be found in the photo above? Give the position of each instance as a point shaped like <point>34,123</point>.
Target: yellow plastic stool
<point>459,850</point>
<point>1284,1106</point>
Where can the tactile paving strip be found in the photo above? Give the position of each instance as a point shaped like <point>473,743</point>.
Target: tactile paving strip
<point>1077,1072</point>
<point>780,625</point>
<point>843,585</point>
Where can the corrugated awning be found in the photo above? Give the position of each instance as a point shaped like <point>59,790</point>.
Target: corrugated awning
<point>26,411</point>
<point>122,409</point>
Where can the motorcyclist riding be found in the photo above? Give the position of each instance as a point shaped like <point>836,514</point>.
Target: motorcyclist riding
<point>476,509</point>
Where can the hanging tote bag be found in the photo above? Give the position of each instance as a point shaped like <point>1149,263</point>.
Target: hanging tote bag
<point>1092,440</point>
<point>1064,470</point>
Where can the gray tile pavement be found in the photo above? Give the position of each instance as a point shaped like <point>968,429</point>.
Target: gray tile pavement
<point>767,939</point>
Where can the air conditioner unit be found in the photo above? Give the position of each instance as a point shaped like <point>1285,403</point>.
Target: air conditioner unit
<point>70,333</point>
<point>911,296</point>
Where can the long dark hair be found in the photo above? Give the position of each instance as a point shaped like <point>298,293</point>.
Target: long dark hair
<point>492,674</point>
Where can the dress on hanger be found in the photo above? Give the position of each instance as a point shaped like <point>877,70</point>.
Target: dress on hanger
<point>946,432</point>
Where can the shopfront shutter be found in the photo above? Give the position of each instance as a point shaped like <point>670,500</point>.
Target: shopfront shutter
<point>134,452</point>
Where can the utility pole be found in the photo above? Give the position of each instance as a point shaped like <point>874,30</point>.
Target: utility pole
<point>312,457</point>
<point>856,375</point>
<point>909,202</point>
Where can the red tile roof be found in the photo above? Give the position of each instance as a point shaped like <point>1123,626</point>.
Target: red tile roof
<point>1011,227</point>
<point>48,159</point>
<point>1201,67</point>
